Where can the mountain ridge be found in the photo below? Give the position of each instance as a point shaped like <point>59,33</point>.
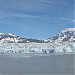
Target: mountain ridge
<point>66,35</point>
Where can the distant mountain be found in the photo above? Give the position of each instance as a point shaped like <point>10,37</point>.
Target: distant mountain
<point>67,35</point>
<point>11,38</point>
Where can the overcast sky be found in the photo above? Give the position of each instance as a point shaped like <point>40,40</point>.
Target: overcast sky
<point>38,19</point>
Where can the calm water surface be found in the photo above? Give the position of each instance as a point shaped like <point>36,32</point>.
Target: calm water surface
<point>37,64</point>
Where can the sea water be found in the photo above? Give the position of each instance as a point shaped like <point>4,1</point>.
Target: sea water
<point>37,64</point>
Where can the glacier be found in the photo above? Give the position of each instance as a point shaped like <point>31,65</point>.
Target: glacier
<point>6,48</point>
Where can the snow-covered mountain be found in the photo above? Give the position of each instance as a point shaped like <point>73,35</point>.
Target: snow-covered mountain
<point>67,35</point>
<point>11,38</point>
<point>62,42</point>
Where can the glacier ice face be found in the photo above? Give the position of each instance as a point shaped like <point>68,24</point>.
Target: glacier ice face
<point>36,48</point>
